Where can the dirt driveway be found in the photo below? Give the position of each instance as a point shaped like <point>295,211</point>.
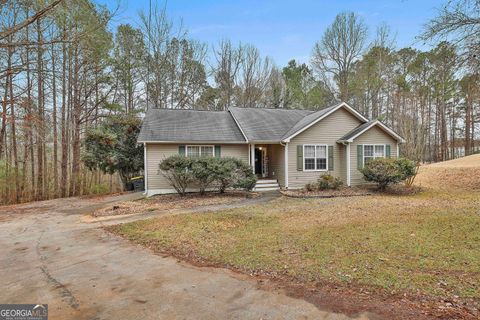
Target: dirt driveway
<point>48,255</point>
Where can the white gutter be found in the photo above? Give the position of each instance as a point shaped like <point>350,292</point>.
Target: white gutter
<point>384,127</point>
<point>194,142</point>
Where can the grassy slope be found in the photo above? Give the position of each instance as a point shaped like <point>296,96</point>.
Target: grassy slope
<point>427,242</point>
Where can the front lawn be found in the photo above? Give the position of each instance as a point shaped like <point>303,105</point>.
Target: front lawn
<point>428,243</point>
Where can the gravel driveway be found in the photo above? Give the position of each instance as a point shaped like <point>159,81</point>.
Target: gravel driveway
<point>48,255</point>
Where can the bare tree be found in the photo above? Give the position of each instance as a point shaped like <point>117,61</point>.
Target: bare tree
<point>459,22</point>
<point>341,44</point>
<point>229,60</point>
<point>255,73</point>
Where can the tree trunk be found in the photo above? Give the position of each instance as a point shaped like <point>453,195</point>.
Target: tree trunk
<point>13,128</point>
<point>54,124</point>
<point>75,176</point>
<point>40,134</point>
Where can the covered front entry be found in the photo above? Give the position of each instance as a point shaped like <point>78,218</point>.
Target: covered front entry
<point>261,162</point>
<point>268,161</point>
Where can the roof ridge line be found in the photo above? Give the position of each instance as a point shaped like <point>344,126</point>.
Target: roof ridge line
<point>271,108</point>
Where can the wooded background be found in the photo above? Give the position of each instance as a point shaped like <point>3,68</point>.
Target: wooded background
<point>64,71</point>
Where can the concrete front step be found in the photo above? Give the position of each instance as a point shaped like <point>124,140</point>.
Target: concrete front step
<point>266,189</point>
<point>266,185</point>
<point>266,181</point>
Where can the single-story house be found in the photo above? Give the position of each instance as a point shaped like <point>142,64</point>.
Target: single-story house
<point>289,147</point>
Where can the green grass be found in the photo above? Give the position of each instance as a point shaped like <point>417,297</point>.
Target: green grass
<point>428,242</point>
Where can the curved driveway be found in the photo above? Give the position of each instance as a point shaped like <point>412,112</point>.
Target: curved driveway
<point>48,255</point>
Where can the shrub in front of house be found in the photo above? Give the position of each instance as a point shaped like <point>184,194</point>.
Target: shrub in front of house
<point>329,182</point>
<point>203,171</point>
<point>178,171</point>
<point>207,172</point>
<point>388,171</point>
<point>311,186</point>
<point>244,177</point>
<point>234,173</point>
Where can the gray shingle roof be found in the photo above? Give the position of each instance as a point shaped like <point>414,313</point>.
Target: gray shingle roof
<point>356,131</point>
<point>256,124</point>
<point>189,125</point>
<point>263,124</point>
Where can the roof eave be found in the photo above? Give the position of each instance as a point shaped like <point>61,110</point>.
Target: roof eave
<point>392,133</point>
<point>265,141</point>
<point>191,141</point>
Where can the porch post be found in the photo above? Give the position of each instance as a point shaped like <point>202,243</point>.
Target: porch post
<point>286,165</point>
<point>252,157</point>
<point>349,174</point>
<point>145,168</point>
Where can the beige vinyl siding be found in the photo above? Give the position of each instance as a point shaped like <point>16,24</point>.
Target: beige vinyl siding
<point>276,156</point>
<point>374,135</point>
<point>239,151</point>
<point>327,131</point>
<point>157,152</point>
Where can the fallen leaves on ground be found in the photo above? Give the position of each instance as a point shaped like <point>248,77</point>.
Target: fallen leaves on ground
<point>170,202</point>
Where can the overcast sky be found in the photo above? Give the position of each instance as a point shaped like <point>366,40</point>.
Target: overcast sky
<point>284,29</point>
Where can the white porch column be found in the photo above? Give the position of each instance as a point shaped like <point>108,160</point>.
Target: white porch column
<point>349,160</point>
<point>145,168</point>
<point>286,165</point>
<point>252,157</point>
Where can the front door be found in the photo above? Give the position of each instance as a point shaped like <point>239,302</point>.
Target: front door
<point>258,161</point>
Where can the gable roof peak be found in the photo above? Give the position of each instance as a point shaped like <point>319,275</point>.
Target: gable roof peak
<point>317,116</point>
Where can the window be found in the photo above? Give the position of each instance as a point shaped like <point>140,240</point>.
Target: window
<point>314,157</point>
<point>199,151</point>
<point>373,151</point>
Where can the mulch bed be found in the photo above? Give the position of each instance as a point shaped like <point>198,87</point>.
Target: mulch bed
<point>365,190</point>
<point>171,202</point>
<point>342,192</point>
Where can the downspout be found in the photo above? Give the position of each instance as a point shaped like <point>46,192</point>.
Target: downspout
<point>285,145</point>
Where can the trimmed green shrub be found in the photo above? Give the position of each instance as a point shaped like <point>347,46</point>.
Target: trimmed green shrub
<point>388,171</point>
<point>178,171</point>
<point>245,180</point>
<point>327,182</point>
<point>234,173</point>
<point>407,168</point>
<point>205,172</point>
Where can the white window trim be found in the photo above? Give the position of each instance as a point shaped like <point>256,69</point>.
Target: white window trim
<point>375,157</point>
<point>326,157</point>
<point>200,148</point>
